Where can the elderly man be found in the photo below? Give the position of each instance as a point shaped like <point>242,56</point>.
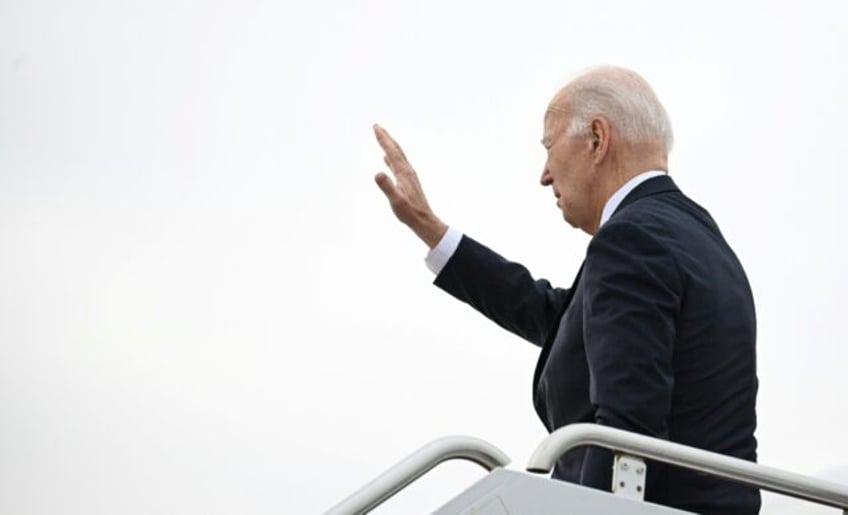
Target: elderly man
<point>657,333</point>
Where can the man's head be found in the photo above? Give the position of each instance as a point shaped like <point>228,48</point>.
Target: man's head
<point>601,129</point>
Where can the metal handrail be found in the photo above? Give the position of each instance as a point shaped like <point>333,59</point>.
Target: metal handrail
<point>734,469</point>
<point>417,464</point>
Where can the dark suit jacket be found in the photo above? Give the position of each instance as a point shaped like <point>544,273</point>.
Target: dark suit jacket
<point>656,336</point>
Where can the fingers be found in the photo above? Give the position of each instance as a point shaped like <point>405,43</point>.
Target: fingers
<point>386,185</point>
<point>386,142</point>
<point>395,157</point>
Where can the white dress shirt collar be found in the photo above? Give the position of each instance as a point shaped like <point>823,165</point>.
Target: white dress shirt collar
<point>618,196</point>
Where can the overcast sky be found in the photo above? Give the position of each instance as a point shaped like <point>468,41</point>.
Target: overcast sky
<point>206,305</point>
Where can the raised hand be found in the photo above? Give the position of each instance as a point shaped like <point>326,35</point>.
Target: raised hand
<point>406,197</point>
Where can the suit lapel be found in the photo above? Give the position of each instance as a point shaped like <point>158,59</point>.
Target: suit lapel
<point>546,348</point>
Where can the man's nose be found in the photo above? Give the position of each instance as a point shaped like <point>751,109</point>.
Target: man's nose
<point>546,177</point>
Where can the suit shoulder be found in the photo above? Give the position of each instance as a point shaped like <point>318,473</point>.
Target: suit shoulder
<point>635,234</point>
<point>666,212</point>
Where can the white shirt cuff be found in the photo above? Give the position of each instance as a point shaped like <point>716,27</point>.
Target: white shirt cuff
<point>439,255</point>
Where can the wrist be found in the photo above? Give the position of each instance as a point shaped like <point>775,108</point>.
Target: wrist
<point>432,231</point>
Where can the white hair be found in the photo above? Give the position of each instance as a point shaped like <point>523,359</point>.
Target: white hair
<point>625,99</point>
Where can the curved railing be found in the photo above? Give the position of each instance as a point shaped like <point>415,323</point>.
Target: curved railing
<point>734,469</point>
<point>417,464</point>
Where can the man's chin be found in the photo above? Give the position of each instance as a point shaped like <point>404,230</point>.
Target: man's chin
<point>570,221</point>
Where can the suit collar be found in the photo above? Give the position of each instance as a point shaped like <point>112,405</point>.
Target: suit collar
<point>616,198</point>
<point>653,186</point>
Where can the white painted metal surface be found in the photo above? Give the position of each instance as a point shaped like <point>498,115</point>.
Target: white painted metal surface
<point>628,477</point>
<point>510,492</point>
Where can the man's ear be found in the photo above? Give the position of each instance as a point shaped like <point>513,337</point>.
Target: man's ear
<point>600,138</point>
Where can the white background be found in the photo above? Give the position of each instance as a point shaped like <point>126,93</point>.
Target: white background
<point>207,307</point>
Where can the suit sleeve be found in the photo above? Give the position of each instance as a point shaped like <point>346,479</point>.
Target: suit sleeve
<point>503,291</point>
<point>631,300</point>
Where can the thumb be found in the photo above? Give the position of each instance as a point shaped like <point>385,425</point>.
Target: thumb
<point>386,185</point>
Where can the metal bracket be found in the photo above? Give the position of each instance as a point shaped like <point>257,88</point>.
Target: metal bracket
<point>628,477</point>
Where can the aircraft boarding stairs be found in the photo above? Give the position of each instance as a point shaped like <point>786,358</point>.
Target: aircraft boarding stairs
<point>504,491</point>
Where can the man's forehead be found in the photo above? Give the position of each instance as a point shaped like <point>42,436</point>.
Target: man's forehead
<point>559,101</point>
<point>554,116</point>
<point>557,105</point>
